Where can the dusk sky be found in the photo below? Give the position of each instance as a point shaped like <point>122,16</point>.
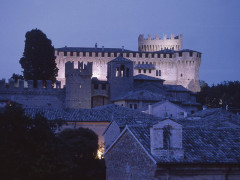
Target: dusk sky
<point>211,27</point>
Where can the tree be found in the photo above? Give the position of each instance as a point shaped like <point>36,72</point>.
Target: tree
<point>82,145</point>
<point>224,94</point>
<point>28,147</point>
<point>38,61</point>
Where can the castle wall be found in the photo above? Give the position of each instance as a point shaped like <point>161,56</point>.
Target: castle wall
<point>40,97</point>
<point>150,44</point>
<point>180,68</point>
<point>78,85</point>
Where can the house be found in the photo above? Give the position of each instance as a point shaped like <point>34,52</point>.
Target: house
<point>207,147</point>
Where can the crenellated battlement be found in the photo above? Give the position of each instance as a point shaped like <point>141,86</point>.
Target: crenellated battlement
<point>82,69</point>
<point>156,37</point>
<point>155,43</point>
<point>21,85</point>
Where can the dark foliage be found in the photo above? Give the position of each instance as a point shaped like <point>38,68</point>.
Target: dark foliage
<point>29,149</point>
<point>38,61</point>
<point>82,144</point>
<point>17,77</point>
<point>221,95</point>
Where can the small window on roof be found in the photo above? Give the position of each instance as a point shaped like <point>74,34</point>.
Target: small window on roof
<point>77,53</point>
<point>84,54</point>
<point>190,53</point>
<point>109,54</point>
<point>90,54</point>
<point>65,53</point>
<point>71,53</point>
<point>180,54</point>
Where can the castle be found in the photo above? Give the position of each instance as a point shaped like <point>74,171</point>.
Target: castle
<point>159,58</point>
<point>144,104</point>
<point>91,77</point>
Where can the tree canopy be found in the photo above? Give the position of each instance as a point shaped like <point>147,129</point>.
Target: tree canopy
<point>224,94</point>
<point>38,61</point>
<point>30,149</point>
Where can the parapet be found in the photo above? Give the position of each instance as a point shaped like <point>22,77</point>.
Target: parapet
<point>156,37</point>
<point>82,69</point>
<point>28,85</point>
<point>152,44</point>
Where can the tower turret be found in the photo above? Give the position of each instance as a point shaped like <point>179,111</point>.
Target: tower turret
<point>120,76</point>
<point>78,85</point>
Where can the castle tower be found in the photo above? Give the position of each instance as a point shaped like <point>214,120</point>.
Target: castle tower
<point>78,85</point>
<point>150,44</point>
<point>120,76</point>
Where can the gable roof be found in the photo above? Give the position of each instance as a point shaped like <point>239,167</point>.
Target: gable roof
<point>120,59</point>
<point>99,114</point>
<point>163,102</point>
<point>141,95</point>
<point>146,78</point>
<point>212,143</point>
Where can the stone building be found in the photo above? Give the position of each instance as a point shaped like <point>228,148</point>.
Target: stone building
<point>203,146</point>
<point>160,58</point>
<point>84,91</point>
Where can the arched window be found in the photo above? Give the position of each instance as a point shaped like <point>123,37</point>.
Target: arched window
<point>122,70</point>
<point>167,137</point>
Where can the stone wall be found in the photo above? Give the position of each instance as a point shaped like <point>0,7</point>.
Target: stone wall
<point>127,160</point>
<point>28,96</point>
<point>180,69</point>
<point>111,134</point>
<point>150,44</point>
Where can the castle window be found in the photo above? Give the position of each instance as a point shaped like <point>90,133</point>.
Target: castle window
<point>71,53</point>
<point>150,71</point>
<point>156,72</point>
<point>90,54</point>
<point>144,71</point>
<point>127,54</point>
<point>84,54</point>
<point>77,53</point>
<point>127,72</point>
<point>158,55</point>
<point>170,55</point>
<point>117,72</point>
<point>95,86</point>
<point>134,54</point>
<point>191,53</point>
<point>109,54</point>
<point>135,106</point>
<point>146,55</point>
<point>164,56</point>
<point>180,54</point>
<point>122,70</point>
<point>65,53</point>
<point>131,106</point>
<point>140,55</point>
<point>159,73</point>
<point>139,70</point>
<point>103,86</point>
<point>167,137</point>
<point>115,54</point>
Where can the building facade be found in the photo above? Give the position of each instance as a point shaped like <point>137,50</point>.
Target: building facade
<point>161,58</point>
